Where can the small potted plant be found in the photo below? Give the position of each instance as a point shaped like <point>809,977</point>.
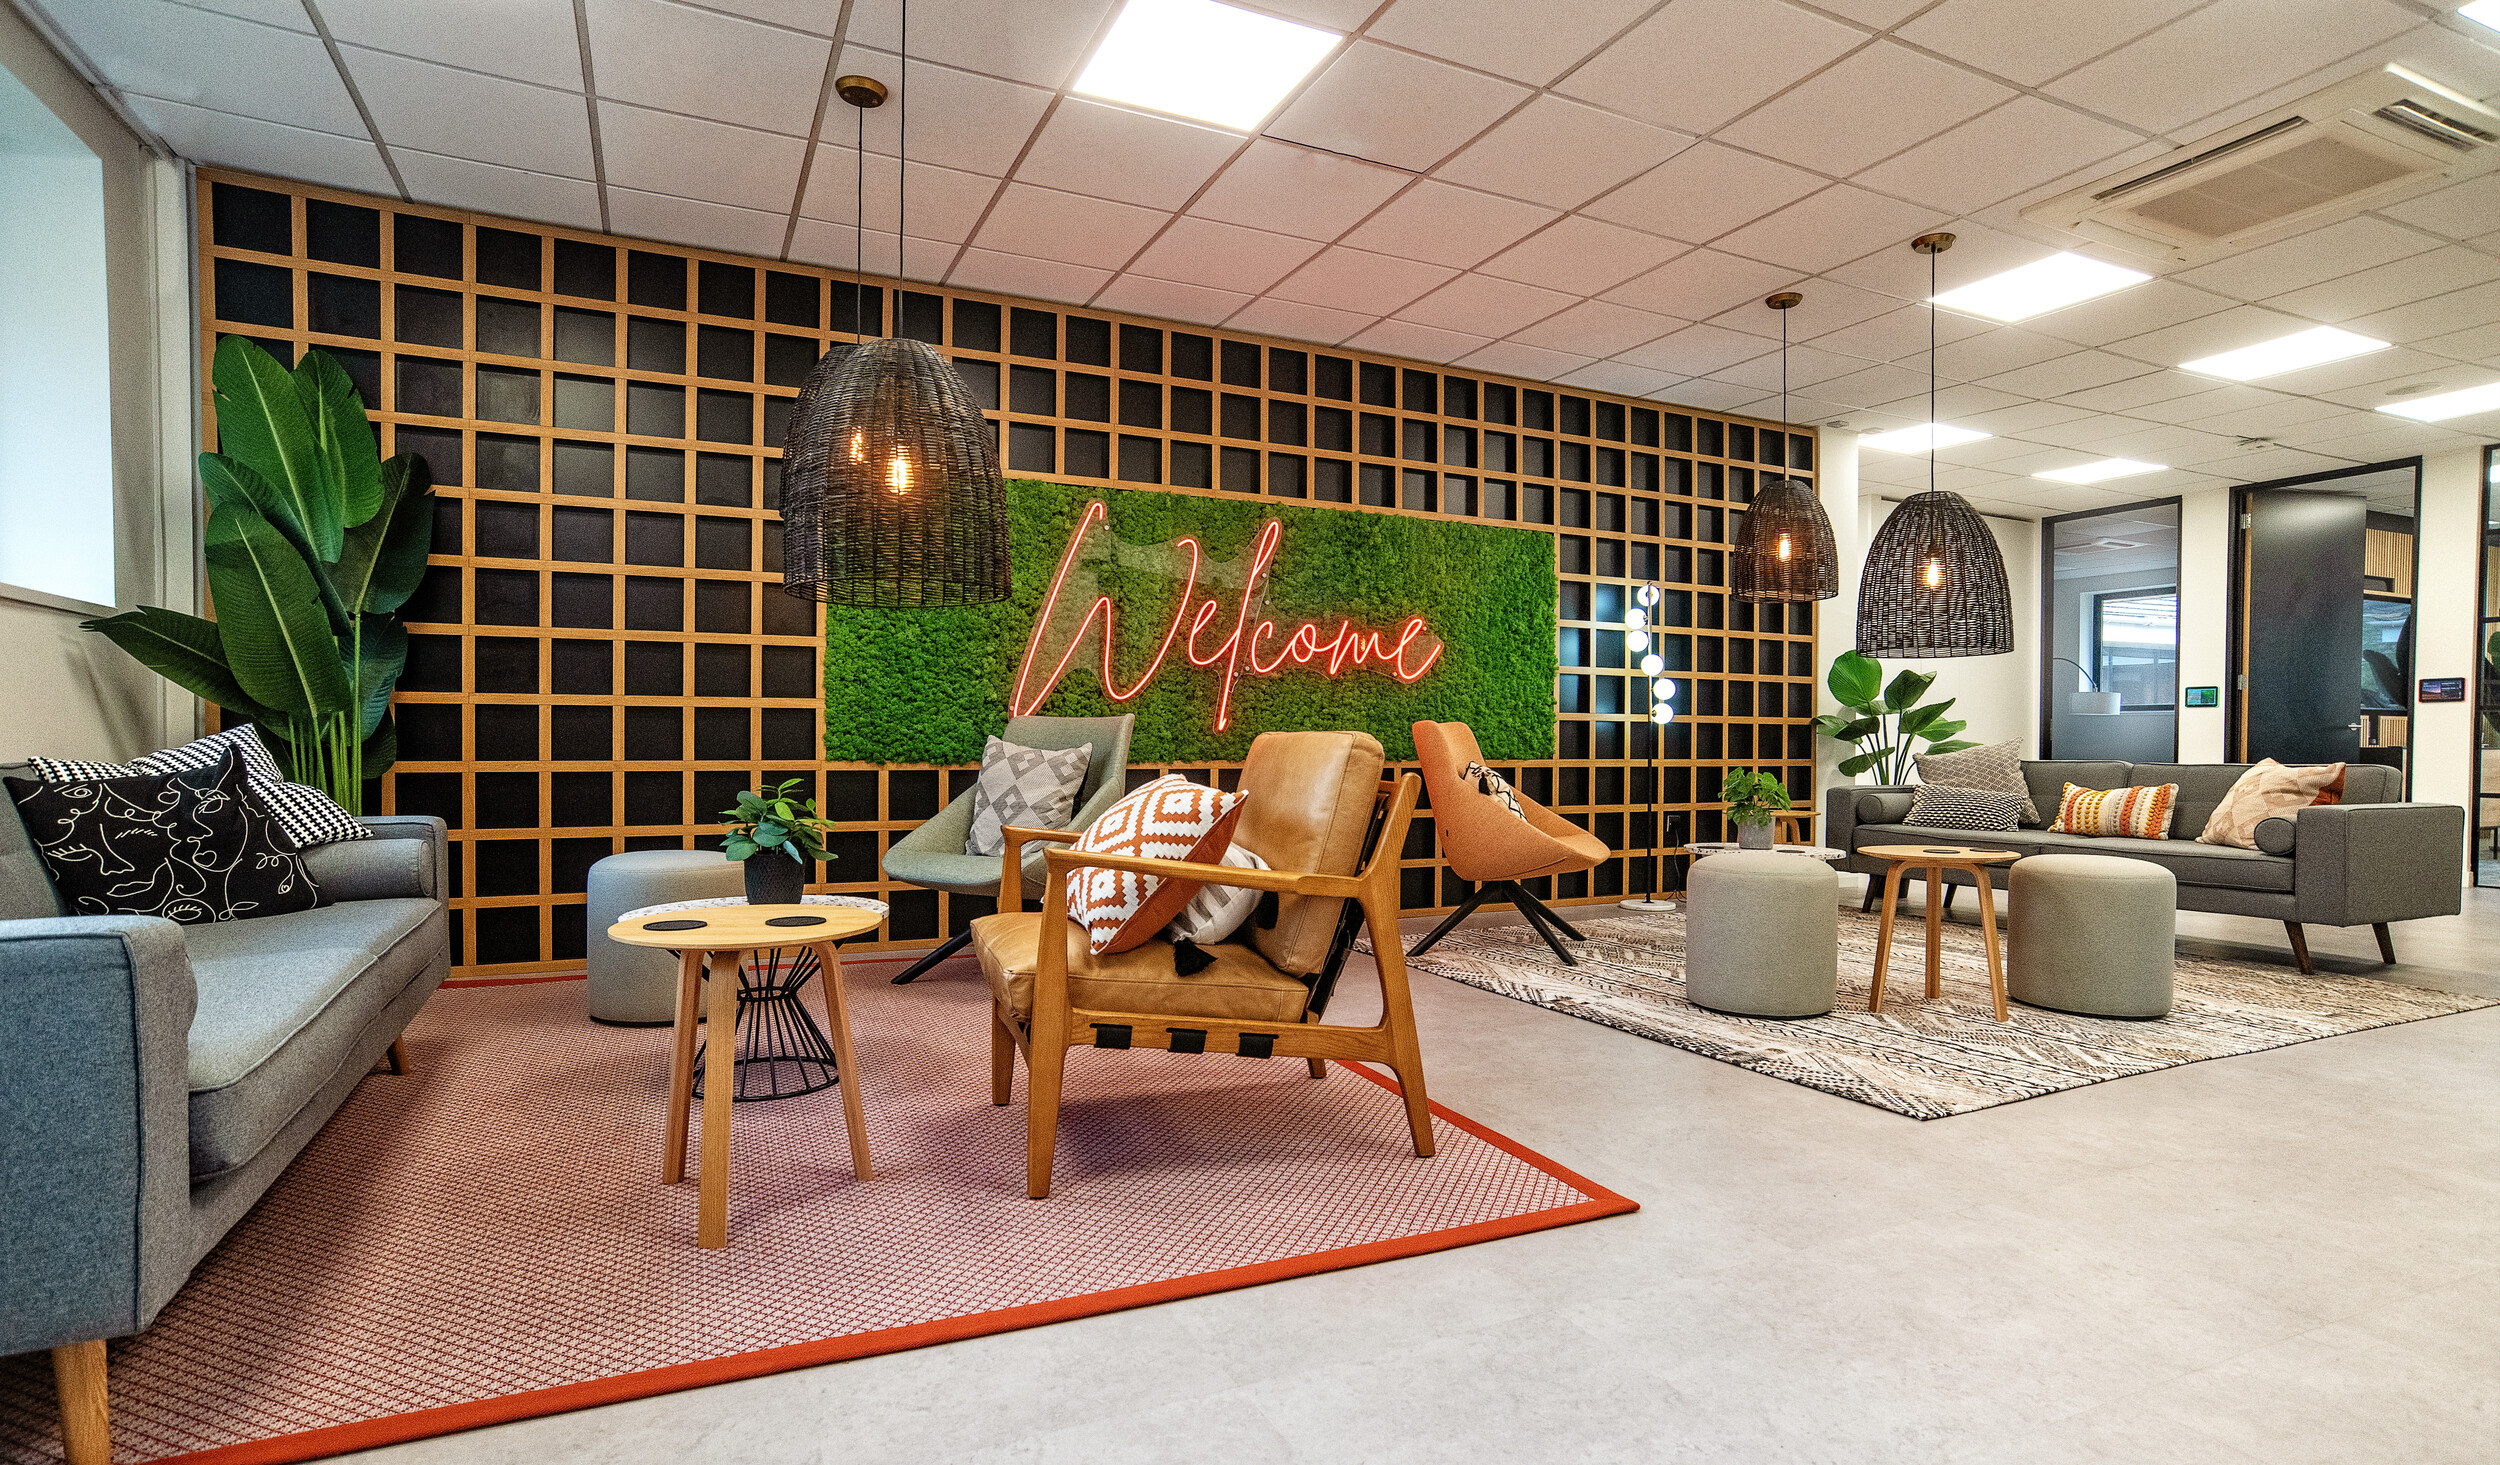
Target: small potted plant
<point>1755,801</point>
<point>776,836</point>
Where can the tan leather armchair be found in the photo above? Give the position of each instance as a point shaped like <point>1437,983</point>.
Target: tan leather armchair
<point>1489,845</point>
<point>1330,829</point>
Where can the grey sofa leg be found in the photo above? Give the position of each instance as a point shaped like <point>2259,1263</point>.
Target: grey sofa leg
<point>2300,948</point>
<point>86,1414</point>
<point>2386,943</point>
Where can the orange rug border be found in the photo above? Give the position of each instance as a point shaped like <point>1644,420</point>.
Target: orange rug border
<point>394,1429</point>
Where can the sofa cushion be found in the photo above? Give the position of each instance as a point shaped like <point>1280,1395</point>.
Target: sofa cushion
<point>2373,783</point>
<point>2021,841</point>
<point>2202,788</point>
<point>1239,984</point>
<point>1995,768</point>
<point>2211,865</point>
<point>2048,780</point>
<point>282,1001</point>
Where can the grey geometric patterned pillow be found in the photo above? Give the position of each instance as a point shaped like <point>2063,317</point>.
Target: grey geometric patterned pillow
<point>304,814</point>
<point>1997,768</point>
<point>1032,787</point>
<point>1942,806</point>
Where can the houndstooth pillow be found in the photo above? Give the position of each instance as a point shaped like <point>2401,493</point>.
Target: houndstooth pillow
<point>1032,787</point>
<point>1169,819</point>
<point>1998,768</point>
<point>1942,806</point>
<point>303,814</point>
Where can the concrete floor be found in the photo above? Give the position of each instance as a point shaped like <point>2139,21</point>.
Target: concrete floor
<point>2288,1257</point>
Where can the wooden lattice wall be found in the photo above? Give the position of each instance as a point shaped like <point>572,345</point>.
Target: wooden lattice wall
<point>603,658</point>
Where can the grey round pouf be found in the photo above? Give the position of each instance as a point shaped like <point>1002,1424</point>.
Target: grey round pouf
<point>2093,935</point>
<point>1761,935</point>
<point>636,986</point>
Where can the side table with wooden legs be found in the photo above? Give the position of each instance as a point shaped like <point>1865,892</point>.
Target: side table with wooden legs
<point>721,939</point>
<point>1933,861</point>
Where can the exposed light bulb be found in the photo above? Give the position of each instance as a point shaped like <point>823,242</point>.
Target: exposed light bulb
<point>898,477</point>
<point>1636,618</point>
<point>859,447</point>
<point>1647,595</point>
<point>1662,714</point>
<point>1662,689</point>
<point>1652,664</point>
<point>1636,640</point>
<point>1783,546</point>
<point>1933,574</point>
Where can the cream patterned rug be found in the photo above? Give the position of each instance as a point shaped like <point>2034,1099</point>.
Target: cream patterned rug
<point>1921,1057</point>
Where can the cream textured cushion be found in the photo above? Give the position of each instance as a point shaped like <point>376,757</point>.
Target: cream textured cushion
<point>1998,768</point>
<point>2268,790</point>
<point>1217,911</point>
<point>2142,812</point>
<point>1032,788</point>
<point>1169,819</point>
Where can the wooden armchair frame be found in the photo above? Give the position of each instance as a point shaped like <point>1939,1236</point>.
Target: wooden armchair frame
<point>1054,1025</point>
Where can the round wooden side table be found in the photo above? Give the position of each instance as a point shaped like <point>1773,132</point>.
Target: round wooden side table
<point>718,940</point>
<point>1933,861</point>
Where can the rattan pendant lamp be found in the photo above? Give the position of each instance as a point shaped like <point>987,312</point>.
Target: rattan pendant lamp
<point>1784,549</point>
<point>1934,583</point>
<point>890,490</point>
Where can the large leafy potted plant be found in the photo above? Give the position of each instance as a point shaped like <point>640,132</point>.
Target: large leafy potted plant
<point>313,545</point>
<point>763,829</point>
<point>1889,722</point>
<point>1755,801</point>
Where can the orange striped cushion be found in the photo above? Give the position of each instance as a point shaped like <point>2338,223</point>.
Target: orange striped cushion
<point>2130,813</point>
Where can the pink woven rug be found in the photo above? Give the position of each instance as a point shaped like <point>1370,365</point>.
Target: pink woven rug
<point>488,1239</point>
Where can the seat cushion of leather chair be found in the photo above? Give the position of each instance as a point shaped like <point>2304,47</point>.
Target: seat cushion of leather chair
<point>1241,985</point>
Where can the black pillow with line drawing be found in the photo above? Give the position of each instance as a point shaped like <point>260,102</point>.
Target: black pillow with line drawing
<point>305,814</point>
<point>194,846</point>
<point>1943,806</point>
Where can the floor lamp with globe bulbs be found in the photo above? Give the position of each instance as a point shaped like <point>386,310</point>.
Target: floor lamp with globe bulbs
<point>1636,638</point>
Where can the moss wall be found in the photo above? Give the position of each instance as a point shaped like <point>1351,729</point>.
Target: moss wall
<point>927,686</point>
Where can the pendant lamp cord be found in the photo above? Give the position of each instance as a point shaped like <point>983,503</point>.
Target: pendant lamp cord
<point>859,227</point>
<point>1931,369</point>
<point>902,143</point>
<point>1784,391</point>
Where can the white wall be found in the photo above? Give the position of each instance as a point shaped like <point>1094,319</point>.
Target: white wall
<point>56,408</point>
<point>2446,626</point>
<point>2204,619</point>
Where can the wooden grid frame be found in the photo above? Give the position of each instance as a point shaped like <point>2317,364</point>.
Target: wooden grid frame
<point>498,375</point>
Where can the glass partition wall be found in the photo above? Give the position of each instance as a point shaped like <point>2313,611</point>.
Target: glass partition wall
<point>2109,685</point>
<point>2487,683</point>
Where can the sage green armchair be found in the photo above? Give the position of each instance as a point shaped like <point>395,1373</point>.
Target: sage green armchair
<point>932,856</point>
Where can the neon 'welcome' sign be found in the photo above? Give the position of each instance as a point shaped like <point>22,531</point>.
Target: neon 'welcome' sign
<point>1249,641</point>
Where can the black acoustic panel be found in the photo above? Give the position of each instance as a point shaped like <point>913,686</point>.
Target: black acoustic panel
<point>724,417</point>
<point>652,344</point>
<point>423,246</point>
<point>504,597</point>
<point>653,604</point>
<point>586,470</point>
<point>585,403</point>
<point>655,539</point>
<point>437,794</point>
<point>725,352</point>
<point>1033,333</point>
<point>582,734</point>
<point>724,607</point>
<point>508,394</point>
<point>911,794</point>
<point>508,531</point>
<point>429,732</point>
<point>506,933</point>
<point>722,734</point>
<point>504,867</point>
<point>725,289</point>
<point>789,671</point>
<point>507,464</point>
<point>254,218</point>
<point>653,409</point>
<point>789,733</point>
<point>976,325</point>
<point>724,479</point>
<point>586,336</point>
<point>584,269</point>
<point>585,536</point>
<point>341,305</point>
<point>584,602</point>
<point>655,475</point>
<point>655,798</point>
<point>507,327</point>
<point>581,800</point>
<point>655,734</point>
<point>656,280</point>
<point>427,387</point>
<point>571,860</point>
<point>793,300</point>
<point>655,669</point>
<point>722,670</point>
<point>507,801</point>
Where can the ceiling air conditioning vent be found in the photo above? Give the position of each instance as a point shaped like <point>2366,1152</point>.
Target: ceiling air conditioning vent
<point>2379,137</point>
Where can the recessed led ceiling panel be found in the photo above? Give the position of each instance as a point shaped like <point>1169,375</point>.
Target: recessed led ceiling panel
<point>2106,468</point>
<point>1920,438</point>
<point>2284,353</point>
<point>1197,59</point>
<point>2485,398</point>
<point>2040,287</point>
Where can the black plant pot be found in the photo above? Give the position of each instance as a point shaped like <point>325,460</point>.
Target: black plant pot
<point>774,878</point>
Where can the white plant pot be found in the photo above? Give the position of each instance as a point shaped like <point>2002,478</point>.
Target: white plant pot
<point>1756,836</point>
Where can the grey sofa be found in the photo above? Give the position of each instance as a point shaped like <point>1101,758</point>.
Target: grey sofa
<point>155,1078</point>
<point>2367,861</point>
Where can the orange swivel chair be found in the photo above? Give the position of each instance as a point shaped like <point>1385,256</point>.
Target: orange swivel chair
<point>1490,846</point>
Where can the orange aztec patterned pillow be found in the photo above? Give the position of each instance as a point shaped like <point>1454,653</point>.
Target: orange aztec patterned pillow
<point>2123,813</point>
<point>1169,819</point>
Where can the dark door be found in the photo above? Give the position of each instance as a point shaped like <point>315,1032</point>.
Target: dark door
<point>2300,626</point>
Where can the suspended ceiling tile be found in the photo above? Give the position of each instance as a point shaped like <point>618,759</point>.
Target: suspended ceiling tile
<point>2028,42</point>
<point>1040,44</point>
<point>1296,321</point>
<point>1390,107</point>
<point>2467,67</point>
<point>2460,211</point>
<point>1351,279</point>
<point>1807,409</point>
<point>285,14</point>
<point>1829,228</point>
<point>2137,391</point>
<point>1447,225</point>
<point>1530,43</point>
<point>2449,267</point>
<point>943,204</point>
<point>1561,153</point>
<point>1043,223</point>
<point>1223,256</point>
<point>527,40</point>
<point>2398,439</point>
<point>2021,420</point>
<point>1297,190</point>
<point>1874,385</point>
<point>700,223</point>
<point>975,124</point>
<point>835,246</point>
<point>1535,363</point>
<point>1170,299</point>
<point>2077,372</point>
<point>1719,396</point>
<point>661,152</point>
<point>1703,192</point>
<point>1598,328</point>
<point>2209,335</point>
<point>1900,334</point>
<point>2267,419</point>
<point>1111,152</point>
<point>2223,54</point>
<point>1336,15</point>
<point>461,183</point>
<point>2019,146</point>
<point>1041,279</point>
<point>1880,14</point>
<point>2130,312</point>
<point>1698,350</point>
<point>1701,284</point>
<point>1867,106</point>
<point>265,147</point>
<point>2481,345</point>
<point>706,64</point>
<point>2219,397</point>
<point>214,62</point>
<point>2417,323</point>
<point>1581,255</point>
<point>2268,463</point>
<point>2325,253</point>
<point>1408,338</point>
<point>812,16</point>
<point>1978,251</point>
<point>2365,377</point>
<point>1619,377</point>
<point>1697,63</point>
<point>1806,367</point>
<point>1995,352</point>
<point>1954,402</point>
<point>462,114</point>
<point>1828,306</point>
<point>1484,306</point>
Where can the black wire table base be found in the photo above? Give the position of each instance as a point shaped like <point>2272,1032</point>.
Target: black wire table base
<point>781,1052</point>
